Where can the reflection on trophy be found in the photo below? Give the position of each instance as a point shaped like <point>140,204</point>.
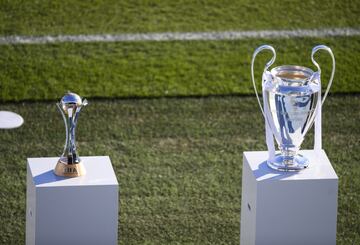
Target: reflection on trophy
<point>292,101</point>
<point>69,164</point>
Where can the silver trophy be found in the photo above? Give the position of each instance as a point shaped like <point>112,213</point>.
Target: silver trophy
<point>291,100</point>
<point>69,164</point>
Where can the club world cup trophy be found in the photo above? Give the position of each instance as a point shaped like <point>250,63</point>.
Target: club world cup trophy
<point>69,164</point>
<point>291,103</point>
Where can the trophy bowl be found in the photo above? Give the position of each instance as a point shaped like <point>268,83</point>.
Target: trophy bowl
<point>291,97</point>
<point>291,103</point>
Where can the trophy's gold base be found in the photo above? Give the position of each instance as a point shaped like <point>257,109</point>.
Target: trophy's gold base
<point>69,170</point>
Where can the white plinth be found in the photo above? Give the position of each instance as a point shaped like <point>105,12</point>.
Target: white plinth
<point>81,210</point>
<point>10,120</point>
<point>283,208</point>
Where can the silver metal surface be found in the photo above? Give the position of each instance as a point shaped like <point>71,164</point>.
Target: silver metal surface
<point>290,97</point>
<point>291,100</point>
<point>70,107</point>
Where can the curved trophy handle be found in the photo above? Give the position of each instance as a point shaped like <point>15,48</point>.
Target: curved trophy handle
<point>65,121</point>
<point>314,50</point>
<point>78,109</point>
<point>268,64</point>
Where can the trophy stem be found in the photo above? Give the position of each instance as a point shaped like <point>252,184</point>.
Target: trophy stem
<point>288,160</point>
<point>288,156</point>
<point>70,155</point>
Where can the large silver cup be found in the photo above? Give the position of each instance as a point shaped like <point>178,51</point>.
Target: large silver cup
<point>69,164</point>
<point>291,100</point>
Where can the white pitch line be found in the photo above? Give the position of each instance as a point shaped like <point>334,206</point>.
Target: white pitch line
<point>182,36</point>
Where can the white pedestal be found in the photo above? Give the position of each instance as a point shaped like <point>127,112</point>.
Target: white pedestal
<point>10,120</point>
<point>80,210</point>
<point>284,208</point>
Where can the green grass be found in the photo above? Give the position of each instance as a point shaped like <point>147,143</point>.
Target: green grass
<point>147,69</point>
<point>111,16</point>
<point>178,162</point>
<point>152,69</point>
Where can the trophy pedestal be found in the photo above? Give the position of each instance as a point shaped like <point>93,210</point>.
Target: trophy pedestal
<point>285,208</point>
<point>80,210</point>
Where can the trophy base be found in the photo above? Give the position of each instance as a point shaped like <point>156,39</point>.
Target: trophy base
<point>69,170</point>
<point>281,163</point>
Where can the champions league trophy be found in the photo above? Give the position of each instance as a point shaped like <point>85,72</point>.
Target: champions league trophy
<point>69,164</point>
<point>292,102</point>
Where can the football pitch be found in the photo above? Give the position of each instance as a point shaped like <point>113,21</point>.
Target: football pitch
<point>174,116</point>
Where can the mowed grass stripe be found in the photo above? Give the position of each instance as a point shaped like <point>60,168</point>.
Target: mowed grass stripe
<point>151,69</point>
<point>183,36</point>
<point>178,162</point>
<point>111,16</point>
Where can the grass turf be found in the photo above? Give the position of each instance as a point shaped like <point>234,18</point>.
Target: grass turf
<point>142,69</point>
<point>18,17</point>
<point>178,162</point>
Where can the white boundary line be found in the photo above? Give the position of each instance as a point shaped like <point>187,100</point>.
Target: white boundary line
<point>182,36</point>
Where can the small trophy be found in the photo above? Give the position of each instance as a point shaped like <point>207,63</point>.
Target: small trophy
<point>69,164</point>
<point>292,102</point>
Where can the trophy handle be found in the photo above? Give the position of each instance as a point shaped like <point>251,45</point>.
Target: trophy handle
<point>314,50</point>
<point>78,109</point>
<point>65,121</point>
<point>268,64</point>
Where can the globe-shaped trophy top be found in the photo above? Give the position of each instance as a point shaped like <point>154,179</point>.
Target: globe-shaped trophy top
<point>71,100</point>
